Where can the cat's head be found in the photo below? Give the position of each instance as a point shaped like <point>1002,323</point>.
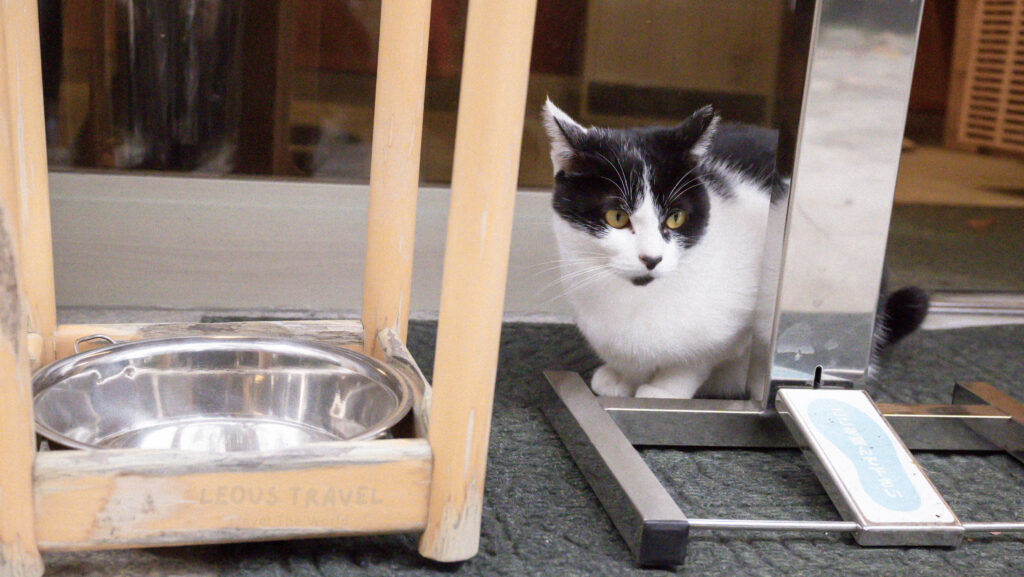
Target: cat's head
<point>632,198</point>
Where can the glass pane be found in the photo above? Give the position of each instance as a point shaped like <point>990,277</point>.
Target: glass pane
<point>274,87</point>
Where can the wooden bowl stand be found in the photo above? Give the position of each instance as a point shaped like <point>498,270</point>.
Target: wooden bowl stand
<point>431,483</point>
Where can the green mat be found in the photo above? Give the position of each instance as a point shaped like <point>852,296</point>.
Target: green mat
<point>540,517</point>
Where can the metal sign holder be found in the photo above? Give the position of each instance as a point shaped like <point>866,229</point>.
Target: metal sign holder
<point>812,336</point>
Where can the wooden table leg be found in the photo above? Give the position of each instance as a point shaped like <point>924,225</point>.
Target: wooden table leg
<point>395,167</point>
<point>28,167</point>
<point>492,106</point>
<point>19,556</point>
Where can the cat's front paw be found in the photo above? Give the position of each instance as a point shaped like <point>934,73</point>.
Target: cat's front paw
<point>653,392</point>
<point>678,382</point>
<point>607,383</point>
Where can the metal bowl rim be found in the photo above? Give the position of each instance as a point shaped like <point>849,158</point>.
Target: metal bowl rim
<point>395,380</point>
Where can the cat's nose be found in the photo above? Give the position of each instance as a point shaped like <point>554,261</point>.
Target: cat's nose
<point>650,261</point>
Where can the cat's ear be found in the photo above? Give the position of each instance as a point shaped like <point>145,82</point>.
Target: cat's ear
<point>705,121</point>
<point>566,136</point>
<point>695,133</point>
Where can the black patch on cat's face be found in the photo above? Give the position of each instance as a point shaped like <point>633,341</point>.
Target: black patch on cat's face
<point>604,175</point>
<point>678,182</point>
<point>607,170</point>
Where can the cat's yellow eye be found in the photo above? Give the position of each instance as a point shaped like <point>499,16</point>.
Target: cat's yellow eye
<point>616,218</point>
<point>675,220</point>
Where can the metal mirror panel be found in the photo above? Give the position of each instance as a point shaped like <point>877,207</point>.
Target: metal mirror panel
<point>820,292</point>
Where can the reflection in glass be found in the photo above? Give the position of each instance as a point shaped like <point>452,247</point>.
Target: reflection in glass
<point>284,88</point>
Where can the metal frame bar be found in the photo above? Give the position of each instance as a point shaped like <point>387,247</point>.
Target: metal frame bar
<point>1011,437</point>
<point>600,434</point>
<point>826,526</point>
<point>653,526</point>
<point>967,425</point>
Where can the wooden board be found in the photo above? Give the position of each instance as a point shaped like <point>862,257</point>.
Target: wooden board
<point>114,499</point>
<point>393,351</point>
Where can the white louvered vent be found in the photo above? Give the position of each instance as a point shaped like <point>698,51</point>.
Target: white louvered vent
<point>991,114</point>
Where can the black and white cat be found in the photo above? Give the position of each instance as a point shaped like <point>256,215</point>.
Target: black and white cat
<point>660,233</point>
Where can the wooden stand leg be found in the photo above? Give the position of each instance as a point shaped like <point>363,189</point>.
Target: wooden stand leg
<point>31,217</point>
<point>18,553</point>
<point>487,149</point>
<point>395,167</point>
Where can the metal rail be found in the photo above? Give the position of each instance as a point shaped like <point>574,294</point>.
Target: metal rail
<point>772,525</point>
<point>828,526</point>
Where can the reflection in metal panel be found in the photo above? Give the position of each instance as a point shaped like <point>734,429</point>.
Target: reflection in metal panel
<point>820,293</point>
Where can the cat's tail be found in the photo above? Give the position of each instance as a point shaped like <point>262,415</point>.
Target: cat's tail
<point>900,313</point>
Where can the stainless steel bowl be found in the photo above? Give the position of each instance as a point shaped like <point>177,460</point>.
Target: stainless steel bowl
<point>216,394</point>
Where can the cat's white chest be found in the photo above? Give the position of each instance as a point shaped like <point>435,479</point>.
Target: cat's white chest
<point>673,320</point>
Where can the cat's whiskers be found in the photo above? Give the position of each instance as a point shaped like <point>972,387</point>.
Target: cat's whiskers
<point>575,266</point>
<point>572,276</point>
<point>579,273</point>
<point>675,187</point>
<point>578,266</point>
<point>561,266</point>
<point>616,185</point>
<point>615,166</point>
<point>633,183</point>
<point>581,257</point>
<point>676,192</point>
<point>579,281</point>
<point>626,183</point>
